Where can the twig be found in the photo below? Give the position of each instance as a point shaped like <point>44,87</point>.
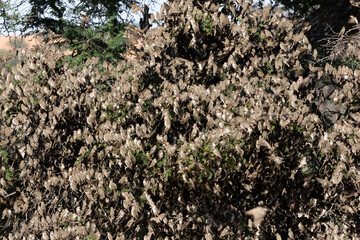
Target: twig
<point>10,194</point>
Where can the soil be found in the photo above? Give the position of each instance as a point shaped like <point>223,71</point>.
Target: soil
<point>10,43</point>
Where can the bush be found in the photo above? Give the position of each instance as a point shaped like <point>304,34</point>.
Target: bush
<point>212,119</point>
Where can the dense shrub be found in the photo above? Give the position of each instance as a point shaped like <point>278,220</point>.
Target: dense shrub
<point>219,113</point>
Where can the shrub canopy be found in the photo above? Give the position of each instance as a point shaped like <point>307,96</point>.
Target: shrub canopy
<point>222,111</point>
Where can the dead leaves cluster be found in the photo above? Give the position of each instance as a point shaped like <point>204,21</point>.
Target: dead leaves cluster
<point>186,137</point>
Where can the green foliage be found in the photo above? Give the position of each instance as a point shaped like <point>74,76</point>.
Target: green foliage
<point>269,68</point>
<point>353,63</point>
<point>8,67</point>
<point>141,157</point>
<point>113,114</point>
<point>9,175</point>
<point>205,23</point>
<point>89,237</point>
<point>167,175</point>
<point>106,42</point>
<point>4,156</point>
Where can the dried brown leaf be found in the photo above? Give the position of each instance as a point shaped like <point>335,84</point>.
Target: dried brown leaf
<point>258,214</point>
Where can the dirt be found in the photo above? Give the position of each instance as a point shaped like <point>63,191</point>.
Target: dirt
<point>10,43</point>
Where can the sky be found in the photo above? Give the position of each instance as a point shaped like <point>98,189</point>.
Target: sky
<point>153,9</point>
